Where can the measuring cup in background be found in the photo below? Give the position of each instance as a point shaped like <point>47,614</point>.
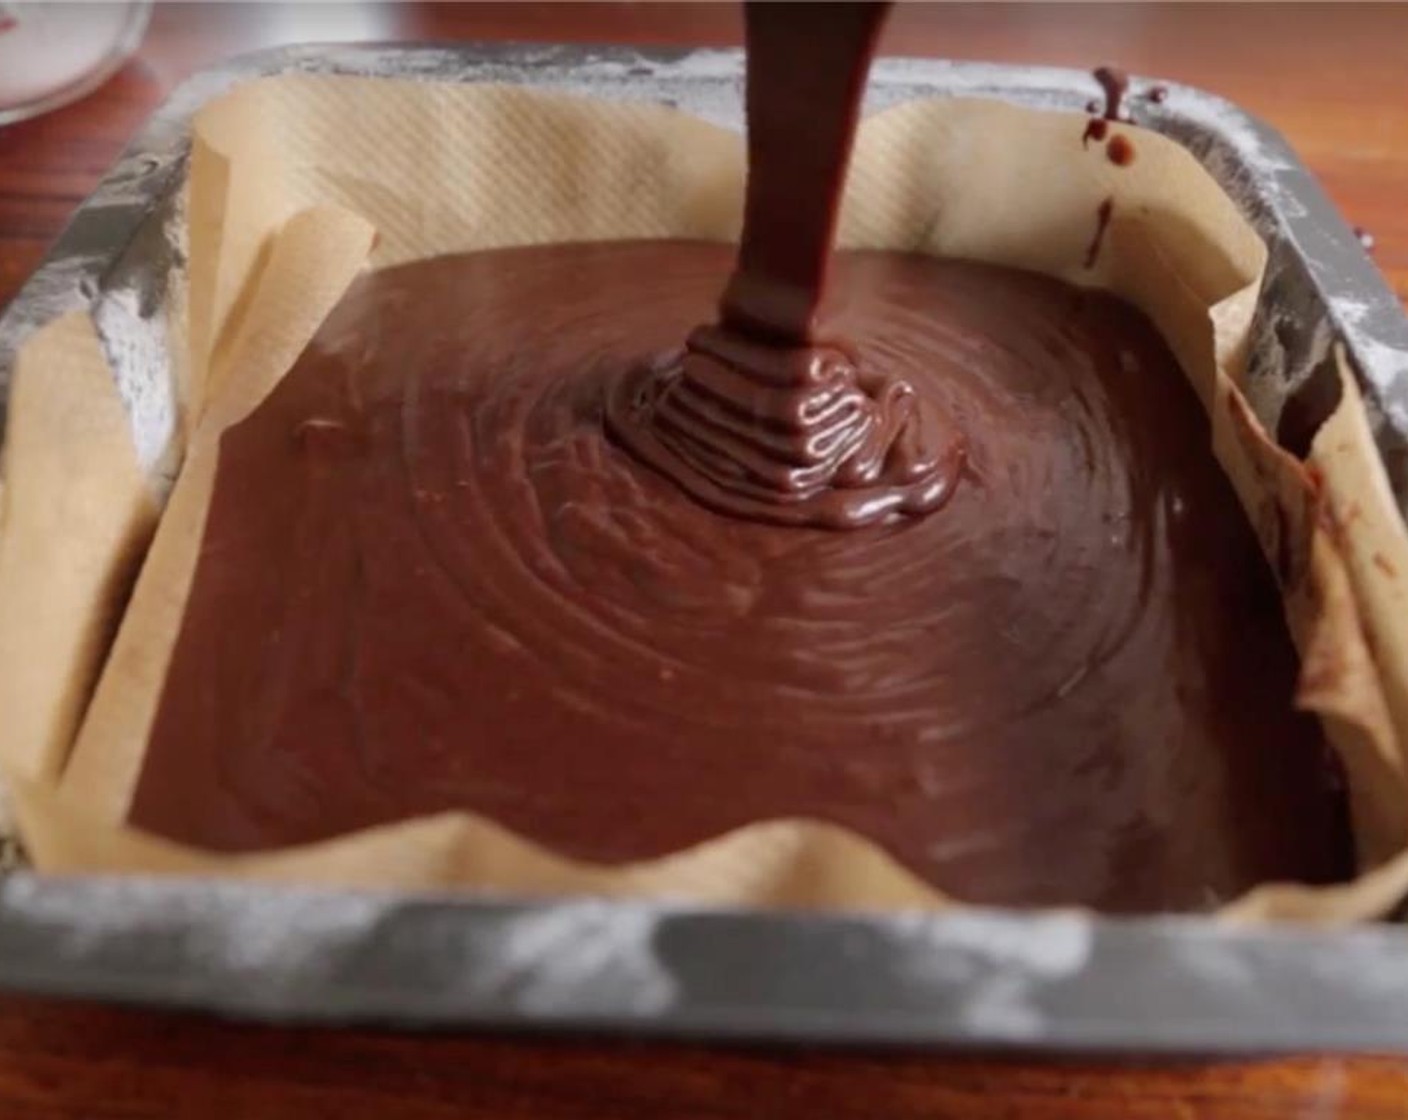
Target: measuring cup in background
<point>52,54</point>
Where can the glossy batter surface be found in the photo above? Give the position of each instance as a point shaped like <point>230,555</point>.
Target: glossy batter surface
<point>430,580</point>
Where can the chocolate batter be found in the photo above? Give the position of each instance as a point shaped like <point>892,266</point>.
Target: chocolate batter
<point>761,416</point>
<point>429,581</point>
<point>498,542</point>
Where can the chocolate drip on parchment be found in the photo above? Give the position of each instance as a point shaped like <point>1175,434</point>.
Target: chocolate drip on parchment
<point>1115,84</point>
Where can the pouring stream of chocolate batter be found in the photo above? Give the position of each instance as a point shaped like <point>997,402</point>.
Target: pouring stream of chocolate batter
<point>760,417</point>
<point>430,580</point>
<point>803,105</point>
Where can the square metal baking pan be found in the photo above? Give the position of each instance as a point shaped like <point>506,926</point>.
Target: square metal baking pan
<point>976,978</point>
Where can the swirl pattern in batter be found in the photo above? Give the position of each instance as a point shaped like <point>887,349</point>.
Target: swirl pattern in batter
<point>430,580</point>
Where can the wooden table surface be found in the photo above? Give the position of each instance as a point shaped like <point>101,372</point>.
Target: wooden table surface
<point>1333,78</point>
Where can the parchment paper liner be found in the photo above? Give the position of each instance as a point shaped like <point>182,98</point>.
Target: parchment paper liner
<point>298,182</point>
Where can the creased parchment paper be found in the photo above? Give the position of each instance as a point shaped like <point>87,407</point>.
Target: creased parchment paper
<point>299,182</point>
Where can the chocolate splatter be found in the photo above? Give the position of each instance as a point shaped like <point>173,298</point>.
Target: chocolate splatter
<point>1115,83</point>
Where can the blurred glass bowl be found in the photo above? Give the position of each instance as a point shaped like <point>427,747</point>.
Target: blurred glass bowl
<point>53,53</point>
